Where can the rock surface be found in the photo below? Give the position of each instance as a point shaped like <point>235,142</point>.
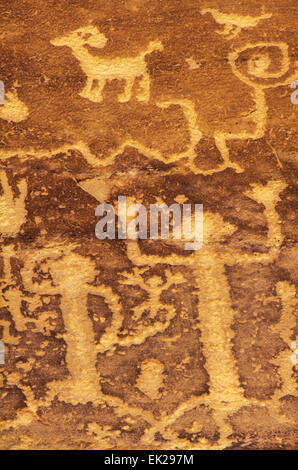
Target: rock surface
<point>139,344</point>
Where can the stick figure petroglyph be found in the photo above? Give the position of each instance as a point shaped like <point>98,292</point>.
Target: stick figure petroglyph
<point>256,73</point>
<point>100,70</point>
<point>154,286</point>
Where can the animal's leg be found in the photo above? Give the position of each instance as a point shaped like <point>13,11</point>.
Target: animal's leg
<point>126,95</point>
<point>234,32</point>
<point>221,144</point>
<point>226,31</point>
<point>144,95</point>
<point>96,92</point>
<point>86,92</point>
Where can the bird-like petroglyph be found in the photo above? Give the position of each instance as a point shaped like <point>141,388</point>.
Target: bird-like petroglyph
<point>233,24</point>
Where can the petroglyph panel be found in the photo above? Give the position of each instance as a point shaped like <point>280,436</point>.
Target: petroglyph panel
<point>140,344</point>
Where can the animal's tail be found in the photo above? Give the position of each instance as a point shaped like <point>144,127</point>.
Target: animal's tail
<point>265,16</point>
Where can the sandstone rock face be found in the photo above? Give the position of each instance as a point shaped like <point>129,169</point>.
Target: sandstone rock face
<point>140,344</point>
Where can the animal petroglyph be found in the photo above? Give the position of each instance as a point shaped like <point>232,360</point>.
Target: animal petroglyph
<point>261,72</point>
<point>261,66</point>
<point>233,24</point>
<point>100,70</point>
<point>257,74</point>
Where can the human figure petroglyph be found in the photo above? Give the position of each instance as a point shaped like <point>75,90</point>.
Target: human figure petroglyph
<point>217,256</point>
<point>215,310</point>
<point>154,286</point>
<point>100,70</point>
<point>259,77</point>
<point>233,24</point>
<point>69,275</point>
<point>257,74</point>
